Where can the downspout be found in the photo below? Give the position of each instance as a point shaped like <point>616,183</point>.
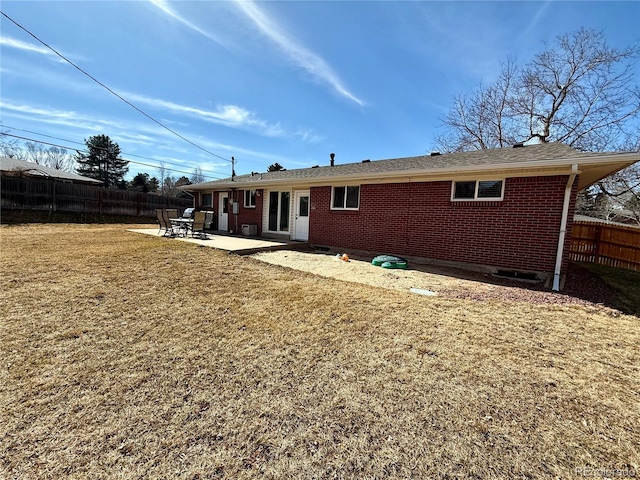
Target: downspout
<point>192,197</point>
<point>563,227</point>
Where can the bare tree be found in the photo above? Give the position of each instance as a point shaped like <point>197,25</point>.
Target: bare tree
<point>581,93</point>
<point>162,173</point>
<point>197,176</point>
<point>623,191</point>
<point>578,91</point>
<point>482,119</point>
<point>35,153</point>
<point>10,146</point>
<point>52,156</point>
<point>59,158</point>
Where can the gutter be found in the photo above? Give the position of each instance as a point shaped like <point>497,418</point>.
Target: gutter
<point>563,227</point>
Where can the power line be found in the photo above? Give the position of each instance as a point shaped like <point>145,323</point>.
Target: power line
<point>81,143</point>
<point>85,150</point>
<point>111,91</point>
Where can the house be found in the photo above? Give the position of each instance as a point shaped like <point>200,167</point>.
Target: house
<point>19,168</point>
<point>507,210</point>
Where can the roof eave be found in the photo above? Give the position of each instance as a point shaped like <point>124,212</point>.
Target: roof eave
<point>610,163</point>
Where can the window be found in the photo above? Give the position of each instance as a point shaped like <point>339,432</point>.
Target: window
<point>346,198</point>
<point>250,198</point>
<point>478,190</point>
<point>207,200</point>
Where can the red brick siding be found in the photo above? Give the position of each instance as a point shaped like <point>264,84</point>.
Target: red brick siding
<point>419,219</point>
<point>250,215</point>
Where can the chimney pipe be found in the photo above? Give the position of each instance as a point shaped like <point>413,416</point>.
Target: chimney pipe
<point>332,156</point>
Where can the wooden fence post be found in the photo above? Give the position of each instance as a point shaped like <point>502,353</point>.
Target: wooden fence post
<point>598,236</point>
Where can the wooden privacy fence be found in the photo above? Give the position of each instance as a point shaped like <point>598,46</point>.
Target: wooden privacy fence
<point>25,193</point>
<point>612,245</point>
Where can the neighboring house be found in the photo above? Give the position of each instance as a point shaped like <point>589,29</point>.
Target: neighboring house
<point>20,168</point>
<point>506,210</point>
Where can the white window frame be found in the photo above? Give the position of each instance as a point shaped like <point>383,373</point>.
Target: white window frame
<point>475,193</point>
<point>250,192</point>
<point>344,207</point>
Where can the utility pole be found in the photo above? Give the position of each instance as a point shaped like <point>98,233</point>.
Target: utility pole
<point>233,168</point>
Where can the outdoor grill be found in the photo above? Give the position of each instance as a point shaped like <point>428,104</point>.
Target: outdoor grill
<point>188,213</point>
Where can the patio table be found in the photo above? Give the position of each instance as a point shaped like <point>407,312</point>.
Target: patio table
<point>184,224</point>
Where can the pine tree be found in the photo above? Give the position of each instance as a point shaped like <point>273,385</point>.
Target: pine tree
<point>103,161</point>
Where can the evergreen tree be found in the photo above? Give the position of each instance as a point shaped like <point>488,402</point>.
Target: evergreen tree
<point>140,183</point>
<point>103,162</point>
<point>275,167</point>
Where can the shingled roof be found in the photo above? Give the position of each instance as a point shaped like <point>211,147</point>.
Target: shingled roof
<point>21,167</point>
<point>530,156</point>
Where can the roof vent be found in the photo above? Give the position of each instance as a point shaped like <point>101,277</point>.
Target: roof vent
<point>518,145</point>
<point>435,154</point>
<point>366,161</point>
<point>316,166</point>
<point>332,156</point>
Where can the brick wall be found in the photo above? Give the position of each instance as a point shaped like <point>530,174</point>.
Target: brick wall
<point>251,215</point>
<point>419,219</point>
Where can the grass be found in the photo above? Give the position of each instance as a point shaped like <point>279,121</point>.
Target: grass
<point>625,283</point>
<point>129,356</point>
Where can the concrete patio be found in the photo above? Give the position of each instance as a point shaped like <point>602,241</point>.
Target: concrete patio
<point>232,243</point>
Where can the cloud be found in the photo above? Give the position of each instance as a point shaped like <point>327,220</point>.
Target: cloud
<point>231,116</point>
<point>301,56</point>
<point>30,47</point>
<point>24,46</point>
<point>164,6</point>
<point>36,48</point>
<point>530,28</point>
<point>68,118</point>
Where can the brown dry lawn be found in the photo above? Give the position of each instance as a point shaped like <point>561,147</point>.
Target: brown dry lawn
<point>129,356</point>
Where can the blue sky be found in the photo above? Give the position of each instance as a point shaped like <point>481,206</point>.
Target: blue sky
<point>268,81</point>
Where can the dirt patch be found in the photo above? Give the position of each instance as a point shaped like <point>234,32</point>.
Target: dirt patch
<point>582,287</point>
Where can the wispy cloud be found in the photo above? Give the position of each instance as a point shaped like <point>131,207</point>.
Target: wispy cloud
<point>36,48</point>
<point>67,118</point>
<point>300,55</point>
<point>536,18</point>
<point>228,115</point>
<point>131,135</point>
<point>164,6</point>
<point>25,46</point>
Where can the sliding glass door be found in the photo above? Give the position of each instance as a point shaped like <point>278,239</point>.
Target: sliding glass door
<point>279,207</point>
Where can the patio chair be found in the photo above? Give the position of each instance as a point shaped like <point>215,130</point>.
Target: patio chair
<point>208,220</point>
<point>199,222</point>
<point>172,213</point>
<point>170,229</point>
<point>160,218</point>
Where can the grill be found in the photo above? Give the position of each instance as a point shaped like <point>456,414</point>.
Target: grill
<point>188,213</point>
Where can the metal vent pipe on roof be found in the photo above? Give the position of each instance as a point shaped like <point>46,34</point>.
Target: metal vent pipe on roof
<point>332,156</point>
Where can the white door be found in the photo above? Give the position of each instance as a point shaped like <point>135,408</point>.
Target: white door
<point>301,228</point>
<point>223,211</point>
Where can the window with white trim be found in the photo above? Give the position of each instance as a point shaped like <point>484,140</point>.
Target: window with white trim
<point>345,198</point>
<point>478,190</point>
<point>250,198</point>
<point>207,200</point>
